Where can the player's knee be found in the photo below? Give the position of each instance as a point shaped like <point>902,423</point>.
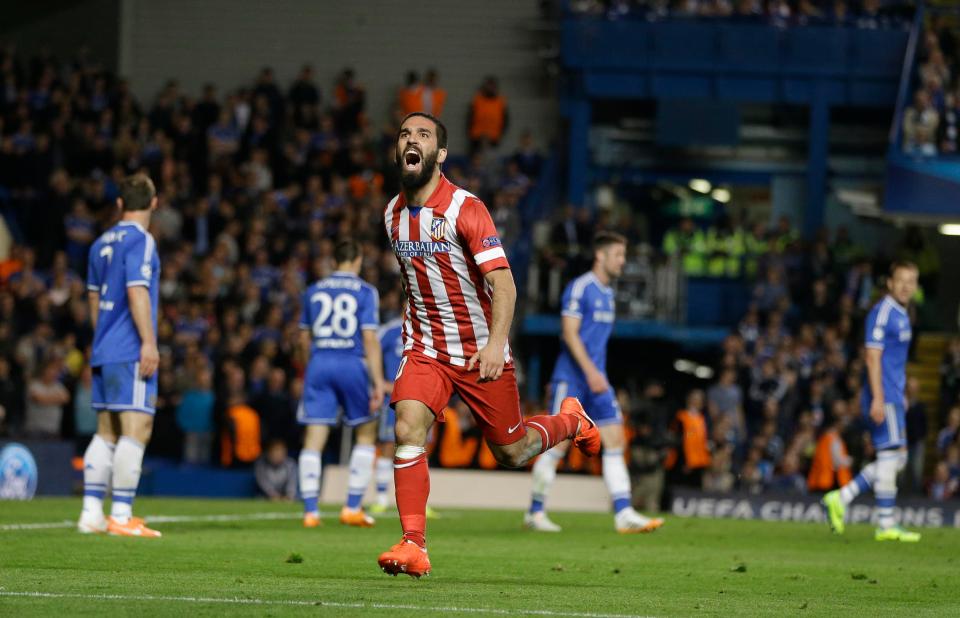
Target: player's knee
<point>107,427</point>
<point>412,425</point>
<point>138,426</point>
<point>612,437</point>
<point>366,434</point>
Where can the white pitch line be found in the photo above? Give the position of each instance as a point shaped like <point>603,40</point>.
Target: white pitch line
<point>317,603</point>
<point>175,519</point>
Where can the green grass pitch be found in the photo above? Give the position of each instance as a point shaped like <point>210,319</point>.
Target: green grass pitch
<point>483,564</point>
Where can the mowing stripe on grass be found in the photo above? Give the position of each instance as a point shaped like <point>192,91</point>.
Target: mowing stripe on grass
<point>334,604</point>
<point>176,519</point>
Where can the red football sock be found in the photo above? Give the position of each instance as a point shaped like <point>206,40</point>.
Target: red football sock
<point>553,429</point>
<point>411,478</point>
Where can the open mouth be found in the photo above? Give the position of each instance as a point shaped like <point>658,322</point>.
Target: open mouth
<point>411,159</point>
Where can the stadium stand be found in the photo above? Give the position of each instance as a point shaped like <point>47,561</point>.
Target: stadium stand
<point>257,181</point>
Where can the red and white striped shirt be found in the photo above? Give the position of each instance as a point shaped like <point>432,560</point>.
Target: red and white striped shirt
<point>445,248</point>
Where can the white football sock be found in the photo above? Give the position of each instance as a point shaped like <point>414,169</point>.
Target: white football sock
<point>97,469</point>
<point>361,469</point>
<point>860,483</point>
<point>617,478</point>
<point>127,463</point>
<point>384,472</point>
<point>885,490</point>
<point>544,473</point>
<point>309,470</point>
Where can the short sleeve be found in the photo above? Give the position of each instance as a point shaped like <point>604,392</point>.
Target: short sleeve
<point>137,261</point>
<point>370,311</point>
<point>572,301</point>
<point>305,310</point>
<point>476,228</point>
<point>874,327</point>
<point>93,280</point>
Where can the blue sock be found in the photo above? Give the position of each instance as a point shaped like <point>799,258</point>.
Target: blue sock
<point>354,500</point>
<point>620,503</point>
<point>536,505</point>
<point>310,505</point>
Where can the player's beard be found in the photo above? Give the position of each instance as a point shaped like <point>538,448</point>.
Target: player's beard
<point>412,181</point>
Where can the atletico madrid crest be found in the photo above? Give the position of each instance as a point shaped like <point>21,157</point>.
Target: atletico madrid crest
<point>437,228</point>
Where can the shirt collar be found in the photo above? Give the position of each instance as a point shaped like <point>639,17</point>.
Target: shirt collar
<point>133,223</point>
<point>436,199</point>
<point>893,301</point>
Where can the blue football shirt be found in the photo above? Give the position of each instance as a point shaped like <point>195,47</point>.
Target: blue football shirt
<point>593,303</point>
<point>336,310</point>
<point>124,256</point>
<point>888,328</point>
<point>391,343</point>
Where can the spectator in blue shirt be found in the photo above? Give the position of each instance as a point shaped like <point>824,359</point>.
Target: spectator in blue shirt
<point>195,419</point>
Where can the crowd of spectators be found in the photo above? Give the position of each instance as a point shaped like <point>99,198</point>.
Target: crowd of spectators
<point>783,411</point>
<point>255,185</point>
<point>930,121</point>
<point>868,14</point>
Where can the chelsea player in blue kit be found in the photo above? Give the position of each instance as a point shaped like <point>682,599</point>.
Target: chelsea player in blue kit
<point>123,279</point>
<point>587,322</point>
<point>883,402</point>
<point>339,332</point>
<point>391,346</point>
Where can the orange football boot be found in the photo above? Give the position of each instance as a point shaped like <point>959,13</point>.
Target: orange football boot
<point>405,557</point>
<point>311,521</point>
<point>654,524</point>
<point>135,526</point>
<point>356,517</point>
<point>588,436</point>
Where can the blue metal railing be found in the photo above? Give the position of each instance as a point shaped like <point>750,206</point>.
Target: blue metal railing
<point>906,79</point>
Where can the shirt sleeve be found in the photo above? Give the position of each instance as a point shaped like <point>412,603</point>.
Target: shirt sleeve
<point>93,281</point>
<point>875,328</point>
<point>370,312</point>
<point>476,228</point>
<point>572,301</point>
<point>137,261</point>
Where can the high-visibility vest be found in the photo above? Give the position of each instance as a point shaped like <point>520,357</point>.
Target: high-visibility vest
<point>243,443</point>
<point>692,246</point>
<point>693,441</point>
<point>754,248</point>
<point>732,246</point>
<point>410,99</point>
<point>422,99</point>
<point>433,100</point>
<point>823,476</point>
<point>488,117</point>
<point>459,452</point>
